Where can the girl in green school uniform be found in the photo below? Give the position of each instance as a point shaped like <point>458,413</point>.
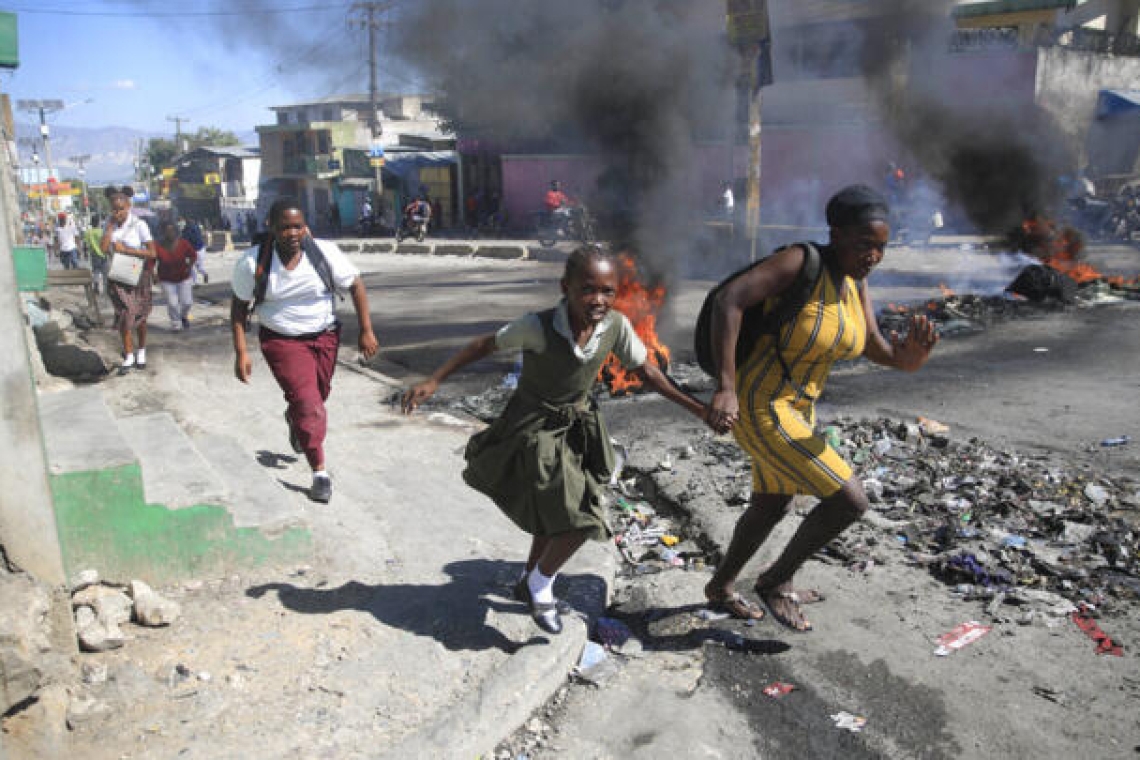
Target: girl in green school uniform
<point>545,461</point>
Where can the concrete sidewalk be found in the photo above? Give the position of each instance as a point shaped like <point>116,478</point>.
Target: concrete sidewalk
<point>394,634</point>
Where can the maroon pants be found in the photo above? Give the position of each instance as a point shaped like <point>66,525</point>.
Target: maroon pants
<point>304,368</point>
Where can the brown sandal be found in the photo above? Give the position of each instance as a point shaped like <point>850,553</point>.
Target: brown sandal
<point>735,605</point>
<point>766,597</point>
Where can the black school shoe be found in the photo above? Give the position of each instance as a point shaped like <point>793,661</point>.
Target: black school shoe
<point>321,490</point>
<point>547,616</point>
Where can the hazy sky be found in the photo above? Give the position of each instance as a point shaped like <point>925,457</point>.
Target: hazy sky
<point>219,63</point>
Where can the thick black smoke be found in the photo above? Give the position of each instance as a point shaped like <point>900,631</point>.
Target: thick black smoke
<point>637,82</point>
<point>997,156</point>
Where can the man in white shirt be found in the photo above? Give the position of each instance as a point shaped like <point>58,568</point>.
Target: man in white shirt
<point>68,237</point>
<point>297,278</point>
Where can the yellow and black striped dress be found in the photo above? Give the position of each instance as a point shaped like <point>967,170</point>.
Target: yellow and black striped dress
<point>777,418</point>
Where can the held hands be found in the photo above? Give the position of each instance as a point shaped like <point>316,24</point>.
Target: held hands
<point>368,344</point>
<point>419,394</point>
<point>912,351</point>
<point>723,411</point>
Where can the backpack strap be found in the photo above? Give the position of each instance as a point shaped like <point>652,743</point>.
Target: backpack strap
<point>793,300</point>
<point>312,252</point>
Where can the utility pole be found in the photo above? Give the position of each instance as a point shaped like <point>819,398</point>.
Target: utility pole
<point>82,161</point>
<point>178,131</point>
<point>369,18</point>
<point>748,29</point>
<point>43,108</point>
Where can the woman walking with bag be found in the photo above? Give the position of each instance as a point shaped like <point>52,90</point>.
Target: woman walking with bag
<point>129,282</point>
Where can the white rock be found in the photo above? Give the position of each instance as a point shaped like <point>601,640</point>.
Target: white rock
<point>151,609</point>
<point>98,637</point>
<point>84,617</point>
<point>94,673</point>
<point>83,579</point>
<point>83,709</point>
<point>111,606</point>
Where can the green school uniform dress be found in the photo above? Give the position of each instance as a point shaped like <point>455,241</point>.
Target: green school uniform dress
<point>545,460</point>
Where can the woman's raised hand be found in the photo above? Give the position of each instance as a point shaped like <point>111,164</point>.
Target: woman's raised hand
<point>912,351</point>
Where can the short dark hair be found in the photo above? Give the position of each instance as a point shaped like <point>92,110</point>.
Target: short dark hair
<point>856,204</point>
<point>581,257</point>
<point>281,205</point>
<point>111,191</point>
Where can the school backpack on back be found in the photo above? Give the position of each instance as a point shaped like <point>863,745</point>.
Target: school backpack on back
<point>754,323</point>
<point>312,252</point>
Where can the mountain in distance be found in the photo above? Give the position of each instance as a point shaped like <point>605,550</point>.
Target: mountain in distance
<point>112,150</point>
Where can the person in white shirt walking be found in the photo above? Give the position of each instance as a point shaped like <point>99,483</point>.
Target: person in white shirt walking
<point>67,235</point>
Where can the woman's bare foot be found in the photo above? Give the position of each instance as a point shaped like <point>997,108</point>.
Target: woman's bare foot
<point>784,604</point>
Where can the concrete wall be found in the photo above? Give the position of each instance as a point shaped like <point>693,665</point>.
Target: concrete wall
<point>1067,85</point>
<point>27,520</point>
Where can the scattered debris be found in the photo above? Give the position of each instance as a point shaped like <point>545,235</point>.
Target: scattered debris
<point>1104,643</point>
<point>848,722</point>
<point>960,636</point>
<point>778,689</point>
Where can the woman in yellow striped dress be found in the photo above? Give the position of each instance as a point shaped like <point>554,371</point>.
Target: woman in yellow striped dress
<point>769,401</point>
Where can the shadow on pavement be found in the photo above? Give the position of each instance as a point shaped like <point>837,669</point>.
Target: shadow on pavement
<point>454,613</point>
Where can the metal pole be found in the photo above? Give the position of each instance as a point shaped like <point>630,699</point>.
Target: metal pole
<point>753,206</point>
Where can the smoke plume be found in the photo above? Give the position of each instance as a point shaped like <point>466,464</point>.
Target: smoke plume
<point>996,155</point>
<point>636,82</point>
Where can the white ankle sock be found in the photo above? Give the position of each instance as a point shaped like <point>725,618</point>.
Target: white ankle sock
<point>129,361</point>
<point>320,474</point>
<point>140,356</point>
<point>541,587</point>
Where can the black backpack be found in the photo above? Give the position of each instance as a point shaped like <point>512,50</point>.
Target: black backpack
<point>312,252</point>
<point>755,323</point>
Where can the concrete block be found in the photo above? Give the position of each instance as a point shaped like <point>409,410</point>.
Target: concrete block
<point>500,251</point>
<point>80,432</point>
<point>453,249</point>
<point>416,248</point>
<point>174,473</point>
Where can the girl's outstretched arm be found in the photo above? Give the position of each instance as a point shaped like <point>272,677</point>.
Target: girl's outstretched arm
<point>652,376</point>
<point>477,349</point>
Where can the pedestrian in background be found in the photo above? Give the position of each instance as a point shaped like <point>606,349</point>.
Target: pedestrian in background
<point>176,259</point>
<point>92,240</point>
<point>192,233</point>
<point>67,236</point>
<point>546,459</point>
<point>289,282</point>
<point>128,235</point>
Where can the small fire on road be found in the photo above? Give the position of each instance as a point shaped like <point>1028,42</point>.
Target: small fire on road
<point>641,304</point>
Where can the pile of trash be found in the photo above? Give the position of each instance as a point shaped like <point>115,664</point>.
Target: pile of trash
<point>960,314</point>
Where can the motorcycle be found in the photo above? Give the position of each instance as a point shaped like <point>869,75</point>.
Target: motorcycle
<point>577,224</point>
<point>412,226</point>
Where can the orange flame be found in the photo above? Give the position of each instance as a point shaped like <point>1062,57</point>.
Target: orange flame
<point>1062,251</point>
<point>640,304</point>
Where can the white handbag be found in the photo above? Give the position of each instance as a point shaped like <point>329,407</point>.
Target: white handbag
<point>126,269</point>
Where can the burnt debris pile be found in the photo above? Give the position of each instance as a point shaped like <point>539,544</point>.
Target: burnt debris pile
<point>990,522</point>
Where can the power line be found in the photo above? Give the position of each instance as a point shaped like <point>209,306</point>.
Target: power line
<point>174,14</point>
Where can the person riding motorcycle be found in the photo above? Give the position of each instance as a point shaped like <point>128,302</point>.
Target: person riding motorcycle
<point>417,216</point>
<point>558,203</point>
